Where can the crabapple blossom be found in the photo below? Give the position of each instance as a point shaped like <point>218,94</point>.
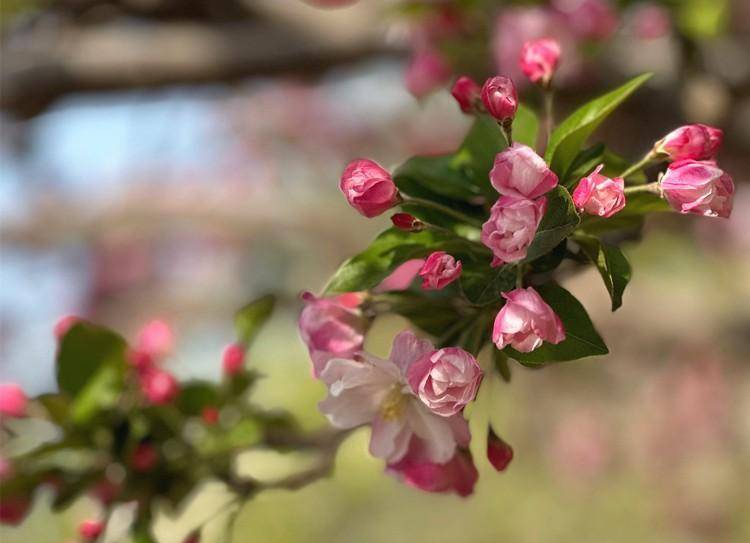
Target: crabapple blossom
<point>500,98</point>
<point>539,60</point>
<point>467,93</point>
<point>445,380</point>
<point>693,141</point>
<point>526,321</point>
<point>158,386</point>
<point>370,390</point>
<point>518,171</point>
<point>331,327</point>
<point>232,359</point>
<point>439,270</point>
<point>368,187</point>
<point>597,194</point>
<point>589,19</point>
<point>499,453</point>
<point>699,187</point>
<point>90,529</point>
<point>12,401</point>
<point>511,227</point>
<point>156,339</point>
<point>426,71</point>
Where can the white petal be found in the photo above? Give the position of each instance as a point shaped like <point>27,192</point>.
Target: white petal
<point>389,439</point>
<point>407,348</point>
<point>436,431</point>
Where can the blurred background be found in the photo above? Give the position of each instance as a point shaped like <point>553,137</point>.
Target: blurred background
<point>176,158</point>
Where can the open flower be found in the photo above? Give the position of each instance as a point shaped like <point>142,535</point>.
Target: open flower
<point>526,321</point>
<point>597,194</point>
<point>374,391</point>
<point>439,270</point>
<point>445,380</point>
<point>520,172</point>
<point>699,187</point>
<point>331,327</point>
<point>511,227</point>
<point>368,188</point>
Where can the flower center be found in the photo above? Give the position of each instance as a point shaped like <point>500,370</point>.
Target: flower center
<point>393,404</point>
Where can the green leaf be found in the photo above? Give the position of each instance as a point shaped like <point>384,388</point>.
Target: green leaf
<point>57,407</point>
<point>581,338</point>
<point>525,126</point>
<point>197,395</point>
<point>611,263</point>
<point>432,314</point>
<point>392,248</point>
<point>482,284</point>
<point>572,133</point>
<point>249,319</point>
<point>101,392</point>
<point>558,222</point>
<point>500,361</point>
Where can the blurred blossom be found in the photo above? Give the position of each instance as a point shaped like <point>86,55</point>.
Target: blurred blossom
<point>427,70</point>
<point>650,21</point>
<point>589,19</point>
<point>581,446</point>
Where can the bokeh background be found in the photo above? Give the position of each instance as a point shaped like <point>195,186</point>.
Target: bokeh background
<point>174,159</point>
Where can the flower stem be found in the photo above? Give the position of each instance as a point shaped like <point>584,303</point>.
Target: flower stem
<point>443,209</point>
<point>507,127</point>
<point>650,187</point>
<point>549,118</point>
<point>638,166</point>
<point>519,275</point>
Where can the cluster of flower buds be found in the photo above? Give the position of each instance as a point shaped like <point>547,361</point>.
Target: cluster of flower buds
<point>154,342</point>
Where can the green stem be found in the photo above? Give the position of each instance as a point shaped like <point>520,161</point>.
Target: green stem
<point>519,275</point>
<point>650,187</point>
<point>549,119</point>
<point>408,200</point>
<point>507,128</point>
<point>638,166</point>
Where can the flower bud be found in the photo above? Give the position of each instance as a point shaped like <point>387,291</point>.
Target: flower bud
<point>539,60</point>
<point>64,324</point>
<point>155,339</point>
<point>407,222</point>
<point>139,360</point>
<point>511,227</point>
<point>467,93</point>
<point>599,195</point>
<point>232,359</point>
<point>90,529</point>
<point>699,187</point>
<point>500,98</point>
<point>693,141</point>
<point>144,457</point>
<point>499,453</point>
<point>158,386</point>
<point>445,380</point>
<point>439,270</point>
<point>368,188</point>
<point>519,172</point>
<point>427,70</point>
<point>13,509</point>
<point>526,321</point>
<point>12,401</point>
<point>210,415</point>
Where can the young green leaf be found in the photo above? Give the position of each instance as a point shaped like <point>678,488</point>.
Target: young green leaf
<point>249,319</point>
<point>611,263</point>
<point>500,361</point>
<point>525,126</point>
<point>581,338</point>
<point>559,221</point>
<point>572,133</point>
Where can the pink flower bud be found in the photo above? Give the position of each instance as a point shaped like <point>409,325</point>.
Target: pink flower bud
<point>158,386</point>
<point>64,324</point>
<point>407,222</point>
<point>511,227</point>
<point>144,457</point>
<point>13,509</point>
<point>210,415</point>
<point>439,270</point>
<point>500,98</point>
<point>445,380</point>
<point>525,321</point>
<point>155,339</point>
<point>331,328</point>
<point>368,188</point>
<point>539,59</point>
<point>90,529</point>
<point>467,93</point>
<point>12,401</point>
<point>499,453</point>
<point>520,172</point>
<point>694,142</point>
<point>427,70</point>
<point>458,475</point>
<point>232,359</point>
<point>699,187</point>
<point>139,360</point>
<point>599,195</point>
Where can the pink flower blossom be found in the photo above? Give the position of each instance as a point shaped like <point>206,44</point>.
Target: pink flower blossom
<point>13,509</point>
<point>500,98</point>
<point>232,359</point>
<point>525,321</point>
<point>368,188</point>
<point>427,70</point>
<point>144,457</point>
<point>699,187</point>
<point>158,386</point>
<point>511,227</point>
<point>407,222</point>
<point>156,339</point>
<point>90,529</point>
<point>12,401</point>
<point>331,328</point>
<point>539,60</point>
<point>402,277</point>
<point>499,453</point>
<point>693,141</point>
<point>439,270</point>
<point>518,171</point>
<point>458,475</point>
<point>445,380</point>
<point>597,194</point>
<point>374,391</point>
<point>594,20</point>
<point>467,93</point>
<point>64,324</point>
<point>651,21</point>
